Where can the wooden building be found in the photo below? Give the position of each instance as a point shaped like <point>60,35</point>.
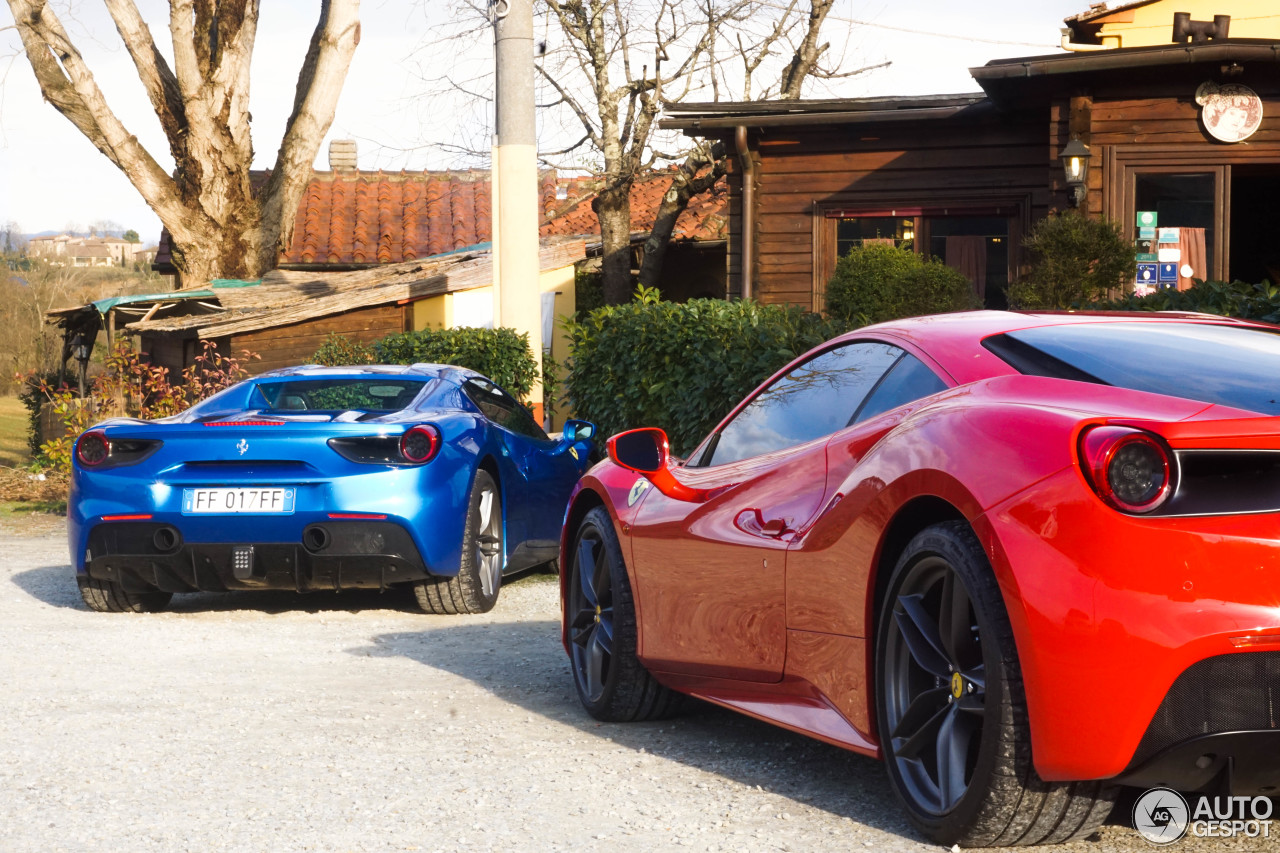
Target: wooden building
<point>1188,130</point>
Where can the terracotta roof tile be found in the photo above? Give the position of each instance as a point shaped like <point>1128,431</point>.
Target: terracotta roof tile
<point>348,218</point>
<point>706,218</point>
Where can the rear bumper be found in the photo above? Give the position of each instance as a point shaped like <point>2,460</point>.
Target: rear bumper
<point>329,555</point>
<point>1109,611</point>
<point>1217,729</point>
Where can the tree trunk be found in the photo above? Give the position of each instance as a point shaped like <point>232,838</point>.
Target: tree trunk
<point>613,207</point>
<point>691,179</point>
<point>218,226</point>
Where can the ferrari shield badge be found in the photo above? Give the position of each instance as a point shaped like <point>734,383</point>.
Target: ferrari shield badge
<point>573,451</point>
<point>637,490</point>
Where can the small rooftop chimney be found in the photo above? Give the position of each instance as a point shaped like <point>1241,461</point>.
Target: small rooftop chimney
<point>342,155</point>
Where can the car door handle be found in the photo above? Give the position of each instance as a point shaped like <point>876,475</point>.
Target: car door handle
<point>753,521</point>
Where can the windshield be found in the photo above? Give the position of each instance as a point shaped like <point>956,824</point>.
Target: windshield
<point>1226,365</point>
<point>366,393</point>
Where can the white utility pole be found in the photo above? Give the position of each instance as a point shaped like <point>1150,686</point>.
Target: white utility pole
<point>517,300</point>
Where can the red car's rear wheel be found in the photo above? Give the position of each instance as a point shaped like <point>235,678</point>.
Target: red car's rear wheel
<point>950,708</point>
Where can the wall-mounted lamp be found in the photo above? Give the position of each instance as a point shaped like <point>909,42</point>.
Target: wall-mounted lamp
<point>1075,164</point>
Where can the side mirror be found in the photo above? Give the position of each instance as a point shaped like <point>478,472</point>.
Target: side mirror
<point>646,452</point>
<point>641,450</point>
<point>575,430</point>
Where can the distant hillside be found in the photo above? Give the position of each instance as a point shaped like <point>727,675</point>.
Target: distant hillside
<point>114,233</point>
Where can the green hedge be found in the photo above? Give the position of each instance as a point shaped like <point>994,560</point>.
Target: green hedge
<point>341,351</point>
<point>500,354</point>
<point>1227,299</point>
<point>681,367</point>
<point>872,284</point>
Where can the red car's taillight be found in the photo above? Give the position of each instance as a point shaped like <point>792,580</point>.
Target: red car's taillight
<point>92,448</point>
<point>1130,469</point>
<point>420,444</point>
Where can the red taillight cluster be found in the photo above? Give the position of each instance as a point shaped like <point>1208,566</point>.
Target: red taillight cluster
<point>92,448</point>
<point>1130,469</point>
<point>420,444</point>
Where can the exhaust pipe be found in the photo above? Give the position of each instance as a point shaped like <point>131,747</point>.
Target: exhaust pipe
<point>166,540</point>
<point>316,538</point>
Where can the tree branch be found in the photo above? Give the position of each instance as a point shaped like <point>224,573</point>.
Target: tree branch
<point>68,85</point>
<point>319,84</point>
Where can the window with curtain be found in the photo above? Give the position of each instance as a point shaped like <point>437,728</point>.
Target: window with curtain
<point>1184,201</point>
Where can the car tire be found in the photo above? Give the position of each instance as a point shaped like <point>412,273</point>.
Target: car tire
<point>475,588</point>
<point>111,597</point>
<point>951,711</point>
<point>600,615</point>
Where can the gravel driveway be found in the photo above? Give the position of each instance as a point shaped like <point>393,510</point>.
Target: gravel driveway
<point>280,722</point>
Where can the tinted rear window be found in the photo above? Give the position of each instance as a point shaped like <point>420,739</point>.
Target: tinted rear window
<point>342,394</point>
<point>1226,365</point>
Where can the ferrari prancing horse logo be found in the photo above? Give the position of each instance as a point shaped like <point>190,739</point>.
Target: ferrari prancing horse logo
<point>637,490</point>
<point>242,446</point>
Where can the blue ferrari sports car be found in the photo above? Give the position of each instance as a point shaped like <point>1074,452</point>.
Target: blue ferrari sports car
<point>315,478</point>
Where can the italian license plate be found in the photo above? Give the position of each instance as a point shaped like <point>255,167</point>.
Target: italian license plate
<point>258,500</point>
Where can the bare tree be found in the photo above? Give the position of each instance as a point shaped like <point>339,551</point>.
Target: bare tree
<point>12,240</point>
<point>219,225</point>
<point>705,164</point>
<point>628,64</point>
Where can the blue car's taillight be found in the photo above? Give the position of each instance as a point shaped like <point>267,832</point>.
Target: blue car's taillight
<point>420,444</point>
<point>95,450</point>
<point>92,448</point>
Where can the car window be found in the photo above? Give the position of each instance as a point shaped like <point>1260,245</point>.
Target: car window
<point>503,409</point>
<point>1228,365</point>
<point>375,393</point>
<point>814,399</point>
<point>907,381</point>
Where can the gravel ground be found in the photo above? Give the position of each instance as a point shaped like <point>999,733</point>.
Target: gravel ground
<point>280,722</point>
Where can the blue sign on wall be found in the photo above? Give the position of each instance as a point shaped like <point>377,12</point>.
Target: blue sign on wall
<point>1168,272</point>
<point>1147,273</point>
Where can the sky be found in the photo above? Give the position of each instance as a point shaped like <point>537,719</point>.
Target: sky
<point>52,178</point>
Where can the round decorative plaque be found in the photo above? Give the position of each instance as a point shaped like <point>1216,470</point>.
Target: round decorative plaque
<point>1231,112</point>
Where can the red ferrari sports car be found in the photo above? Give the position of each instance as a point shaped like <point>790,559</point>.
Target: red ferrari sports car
<point>1025,559</point>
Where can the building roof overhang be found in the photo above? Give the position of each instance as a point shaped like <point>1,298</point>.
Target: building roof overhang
<point>695,118</point>
<point>1009,80</point>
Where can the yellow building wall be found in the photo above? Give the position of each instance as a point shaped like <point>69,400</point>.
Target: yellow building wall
<point>437,312</point>
<point>1152,24</point>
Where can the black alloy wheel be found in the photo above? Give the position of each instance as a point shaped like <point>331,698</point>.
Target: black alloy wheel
<point>591,615</point>
<point>951,712</point>
<point>935,690</point>
<point>600,618</point>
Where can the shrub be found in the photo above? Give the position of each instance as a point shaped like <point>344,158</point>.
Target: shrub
<point>500,354</point>
<point>130,387</point>
<point>339,350</point>
<point>34,401</point>
<point>680,366</point>
<point>1227,299</point>
<point>1075,260</point>
<point>875,283</point>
